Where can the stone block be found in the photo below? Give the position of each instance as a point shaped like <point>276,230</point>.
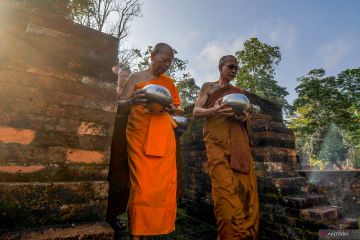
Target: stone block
<point>54,172</point>
<point>34,204</point>
<point>304,201</point>
<point>284,140</point>
<point>274,154</point>
<point>323,214</point>
<point>84,231</point>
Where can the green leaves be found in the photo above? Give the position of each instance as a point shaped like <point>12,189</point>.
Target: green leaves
<point>257,71</point>
<point>329,104</point>
<point>188,90</point>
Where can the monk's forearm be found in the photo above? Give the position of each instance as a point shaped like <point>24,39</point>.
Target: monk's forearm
<point>203,112</point>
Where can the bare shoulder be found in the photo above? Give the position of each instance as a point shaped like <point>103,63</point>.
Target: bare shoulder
<point>206,87</point>
<point>210,87</point>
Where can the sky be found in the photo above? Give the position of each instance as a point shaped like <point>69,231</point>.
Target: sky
<point>311,34</point>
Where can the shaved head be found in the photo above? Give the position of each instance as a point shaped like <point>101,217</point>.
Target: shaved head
<point>162,47</point>
<point>224,59</point>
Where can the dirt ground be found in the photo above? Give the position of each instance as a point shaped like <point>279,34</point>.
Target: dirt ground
<point>187,228</point>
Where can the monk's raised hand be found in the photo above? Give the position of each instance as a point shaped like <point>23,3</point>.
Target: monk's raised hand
<point>139,98</point>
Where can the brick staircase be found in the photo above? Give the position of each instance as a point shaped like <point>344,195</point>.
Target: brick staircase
<point>290,207</point>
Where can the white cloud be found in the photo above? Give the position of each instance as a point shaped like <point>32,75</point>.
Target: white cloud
<point>204,67</point>
<point>185,38</point>
<point>277,31</point>
<point>330,53</point>
<point>209,56</point>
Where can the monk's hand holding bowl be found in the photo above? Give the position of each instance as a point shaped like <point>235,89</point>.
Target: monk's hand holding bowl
<point>242,117</point>
<point>139,98</point>
<point>174,110</point>
<point>218,108</point>
<point>221,108</point>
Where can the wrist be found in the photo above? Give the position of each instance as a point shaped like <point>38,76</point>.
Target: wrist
<point>211,111</point>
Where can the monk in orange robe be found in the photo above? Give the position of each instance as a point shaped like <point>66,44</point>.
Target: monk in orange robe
<point>226,135</point>
<point>152,150</point>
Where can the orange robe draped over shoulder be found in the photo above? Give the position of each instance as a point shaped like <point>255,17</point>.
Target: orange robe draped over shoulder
<point>152,165</point>
<point>233,181</point>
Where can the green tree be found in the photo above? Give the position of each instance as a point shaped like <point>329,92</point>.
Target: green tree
<point>188,90</point>
<point>333,149</point>
<point>324,102</point>
<point>257,71</point>
<point>185,83</point>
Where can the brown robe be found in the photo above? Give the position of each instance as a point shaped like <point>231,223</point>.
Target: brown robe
<point>118,170</point>
<point>234,187</point>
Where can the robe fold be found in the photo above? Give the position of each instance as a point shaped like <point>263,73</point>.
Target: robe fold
<point>152,165</point>
<point>234,186</point>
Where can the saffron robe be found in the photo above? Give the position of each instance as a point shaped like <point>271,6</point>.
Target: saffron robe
<point>234,186</point>
<point>152,165</point>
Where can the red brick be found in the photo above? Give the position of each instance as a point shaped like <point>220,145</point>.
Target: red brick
<point>13,135</point>
<point>320,214</point>
<point>21,169</point>
<point>83,156</point>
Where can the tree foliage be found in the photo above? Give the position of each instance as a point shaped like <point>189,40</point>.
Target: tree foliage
<point>185,83</point>
<point>110,16</point>
<point>257,71</point>
<point>328,104</point>
<point>332,149</point>
<point>68,9</point>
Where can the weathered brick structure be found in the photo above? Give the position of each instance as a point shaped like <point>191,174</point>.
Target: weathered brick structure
<point>57,113</point>
<point>291,207</point>
<point>56,122</point>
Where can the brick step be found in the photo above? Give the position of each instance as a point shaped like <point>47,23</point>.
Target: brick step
<point>259,125</point>
<point>30,204</point>
<point>274,154</point>
<point>275,169</point>
<point>323,214</point>
<point>304,200</point>
<point>280,174</point>
<point>346,223</point>
<point>274,139</point>
<point>289,182</point>
<point>282,186</point>
<point>84,231</point>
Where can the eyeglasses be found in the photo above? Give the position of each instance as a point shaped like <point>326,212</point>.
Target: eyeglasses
<point>232,66</point>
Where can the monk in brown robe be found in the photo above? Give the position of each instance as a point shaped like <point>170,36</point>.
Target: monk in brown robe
<point>226,135</point>
<point>118,168</point>
<point>151,149</point>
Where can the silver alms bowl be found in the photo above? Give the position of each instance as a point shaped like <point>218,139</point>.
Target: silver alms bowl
<point>158,97</point>
<point>237,101</point>
<point>180,121</point>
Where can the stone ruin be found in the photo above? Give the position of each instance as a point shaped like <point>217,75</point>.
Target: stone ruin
<point>57,112</point>
<point>57,115</point>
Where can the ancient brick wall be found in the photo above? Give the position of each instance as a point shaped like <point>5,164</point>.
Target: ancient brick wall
<point>57,111</point>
